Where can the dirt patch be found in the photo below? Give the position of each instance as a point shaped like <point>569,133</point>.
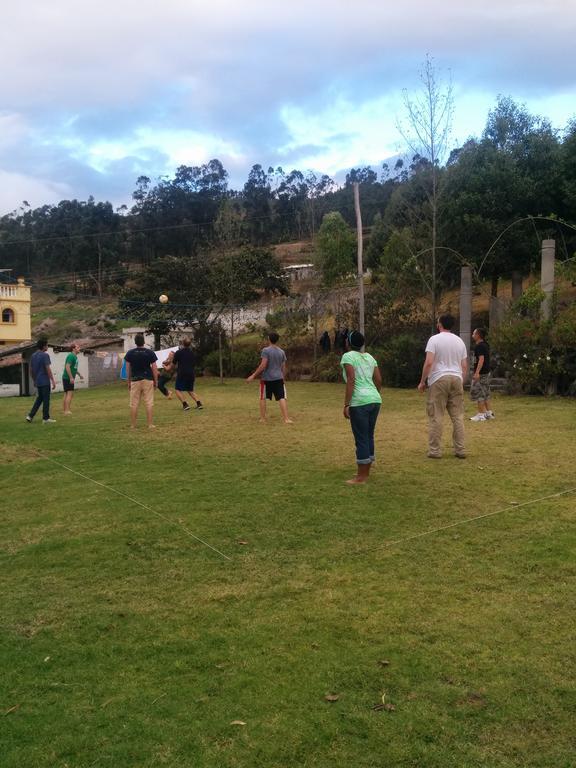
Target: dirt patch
<point>18,454</point>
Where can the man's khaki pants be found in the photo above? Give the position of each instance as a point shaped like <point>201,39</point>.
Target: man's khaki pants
<point>446,394</point>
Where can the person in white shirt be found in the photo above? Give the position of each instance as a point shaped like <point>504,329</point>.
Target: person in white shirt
<point>445,369</point>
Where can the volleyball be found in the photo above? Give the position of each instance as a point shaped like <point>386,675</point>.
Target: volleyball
<point>163,299</point>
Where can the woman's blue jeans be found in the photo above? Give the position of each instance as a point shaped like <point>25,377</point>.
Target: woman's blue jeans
<point>363,421</point>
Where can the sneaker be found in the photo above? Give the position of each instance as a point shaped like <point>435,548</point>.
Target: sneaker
<point>490,415</point>
<point>199,406</point>
<point>29,419</point>
<point>185,407</point>
<point>460,455</point>
<point>478,417</point>
<point>48,421</point>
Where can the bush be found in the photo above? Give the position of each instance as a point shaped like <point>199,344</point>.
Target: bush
<point>538,355</point>
<point>327,368</point>
<point>244,362</point>
<point>401,360</point>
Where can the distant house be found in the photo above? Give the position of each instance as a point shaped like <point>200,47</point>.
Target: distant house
<point>298,272</point>
<point>15,325</point>
<point>99,361</point>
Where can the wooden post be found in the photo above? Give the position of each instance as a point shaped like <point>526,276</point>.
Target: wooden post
<point>232,341</point>
<point>220,357</point>
<point>360,265</point>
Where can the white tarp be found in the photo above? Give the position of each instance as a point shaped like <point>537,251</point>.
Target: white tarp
<point>162,354</point>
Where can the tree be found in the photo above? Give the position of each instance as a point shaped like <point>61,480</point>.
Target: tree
<point>257,200</point>
<point>429,122</point>
<point>336,248</point>
<point>513,173</point>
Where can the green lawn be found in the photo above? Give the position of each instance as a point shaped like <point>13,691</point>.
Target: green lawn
<point>126,642</point>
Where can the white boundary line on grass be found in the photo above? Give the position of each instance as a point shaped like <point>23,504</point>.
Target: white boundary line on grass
<point>139,503</point>
<point>467,520</point>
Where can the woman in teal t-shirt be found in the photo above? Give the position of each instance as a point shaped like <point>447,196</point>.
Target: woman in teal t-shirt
<point>362,401</point>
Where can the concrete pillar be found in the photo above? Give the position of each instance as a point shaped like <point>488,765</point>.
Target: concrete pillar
<point>517,288</point>
<point>495,308</point>
<point>466,305</point>
<point>496,311</point>
<point>547,275</point>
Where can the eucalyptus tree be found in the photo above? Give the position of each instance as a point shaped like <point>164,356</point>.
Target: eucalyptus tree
<point>426,130</point>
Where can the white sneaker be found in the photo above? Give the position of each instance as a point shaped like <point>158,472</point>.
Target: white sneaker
<point>48,421</point>
<point>490,415</point>
<point>478,417</point>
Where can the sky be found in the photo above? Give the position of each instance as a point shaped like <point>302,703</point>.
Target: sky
<point>92,97</point>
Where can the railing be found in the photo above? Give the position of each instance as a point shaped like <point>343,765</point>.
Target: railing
<point>8,291</point>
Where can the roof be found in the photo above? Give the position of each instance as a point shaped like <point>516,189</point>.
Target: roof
<point>84,344</point>
<point>88,344</point>
<point>6,362</point>
<point>17,349</point>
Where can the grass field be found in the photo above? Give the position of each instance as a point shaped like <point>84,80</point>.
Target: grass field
<point>126,642</point>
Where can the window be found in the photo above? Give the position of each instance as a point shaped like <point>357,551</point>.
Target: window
<point>8,316</point>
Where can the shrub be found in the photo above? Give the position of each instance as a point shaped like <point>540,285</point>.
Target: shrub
<point>327,368</point>
<point>244,362</point>
<point>538,355</point>
<point>401,360</point>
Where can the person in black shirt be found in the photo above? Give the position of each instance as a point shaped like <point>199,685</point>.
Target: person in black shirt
<point>480,385</point>
<point>185,359</point>
<point>142,378</point>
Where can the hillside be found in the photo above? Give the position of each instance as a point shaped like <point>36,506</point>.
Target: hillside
<point>64,319</point>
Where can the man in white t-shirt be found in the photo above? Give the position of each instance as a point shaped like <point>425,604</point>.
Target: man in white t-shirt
<point>445,368</point>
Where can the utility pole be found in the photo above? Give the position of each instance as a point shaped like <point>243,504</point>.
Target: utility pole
<point>360,265</point>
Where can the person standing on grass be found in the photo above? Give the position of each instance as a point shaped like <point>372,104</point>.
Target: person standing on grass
<point>480,385</point>
<point>362,401</point>
<point>70,373</point>
<point>273,370</point>
<point>445,369</point>
<point>185,359</point>
<point>42,376</point>
<point>142,373</point>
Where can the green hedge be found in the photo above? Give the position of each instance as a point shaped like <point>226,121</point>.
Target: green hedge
<point>244,362</point>
<point>401,360</point>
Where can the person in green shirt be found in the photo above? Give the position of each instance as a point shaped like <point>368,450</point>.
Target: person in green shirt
<point>68,376</point>
<point>362,401</point>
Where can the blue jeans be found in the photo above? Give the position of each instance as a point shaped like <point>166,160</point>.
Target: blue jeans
<point>42,399</point>
<point>363,421</point>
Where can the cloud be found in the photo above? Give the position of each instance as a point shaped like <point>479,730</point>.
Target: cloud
<point>138,88</point>
<point>16,188</point>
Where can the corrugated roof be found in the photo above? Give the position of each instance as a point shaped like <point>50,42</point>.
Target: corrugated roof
<point>84,344</point>
<point>17,348</point>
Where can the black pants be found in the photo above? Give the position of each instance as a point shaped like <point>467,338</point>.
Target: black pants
<point>42,399</point>
<point>162,381</point>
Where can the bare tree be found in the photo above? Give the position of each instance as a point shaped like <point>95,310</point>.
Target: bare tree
<point>426,130</point>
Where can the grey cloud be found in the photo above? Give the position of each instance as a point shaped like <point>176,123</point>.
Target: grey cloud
<point>227,69</point>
